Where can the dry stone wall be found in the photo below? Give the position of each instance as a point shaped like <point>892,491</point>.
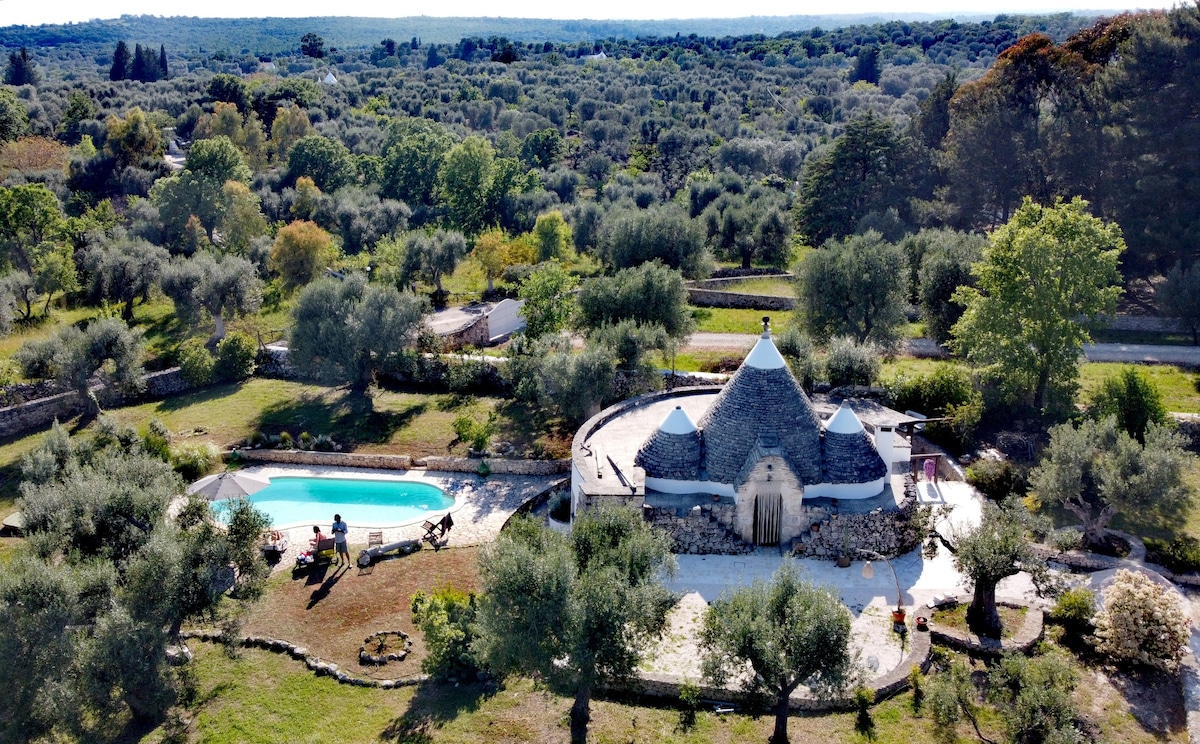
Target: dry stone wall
<point>888,532</point>
<point>705,530</point>
<point>39,413</point>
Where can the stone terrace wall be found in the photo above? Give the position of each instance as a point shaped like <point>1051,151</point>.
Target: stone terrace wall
<point>405,462</point>
<point>39,413</point>
<point>886,532</point>
<point>714,298</point>
<point>477,333</point>
<point>704,530</point>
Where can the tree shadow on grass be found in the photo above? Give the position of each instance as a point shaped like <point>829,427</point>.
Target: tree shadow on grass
<point>347,415</point>
<point>1154,699</point>
<point>202,395</point>
<point>434,705</point>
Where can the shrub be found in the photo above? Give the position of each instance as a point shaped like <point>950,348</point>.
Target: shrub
<point>947,392</point>
<point>689,704</point>
<point>306,440</point>
<point>285,440</point>
<point>864,698</point>
<point>324,443</point>
<point>157,440</point>
<point>1074,609</point>
<point>560,506</point>
<point>1034,697</point>
<point>916,680</point>
<point>193,460</point>
<point>474,432</point>
<point>1181,555</point>
<point>1140,623</point>
<point>196,363</point>
<point>851,363</point>
<point>446,617</point>
<point>997,479</point>
<point>235,357</point>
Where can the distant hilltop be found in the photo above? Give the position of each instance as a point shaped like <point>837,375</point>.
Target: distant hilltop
<point>191,34</point>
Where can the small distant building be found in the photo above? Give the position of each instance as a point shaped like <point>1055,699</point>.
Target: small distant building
<point>267,67</point>
<point>597,57</point>
<point>329,79</point>
<point>757,443</point>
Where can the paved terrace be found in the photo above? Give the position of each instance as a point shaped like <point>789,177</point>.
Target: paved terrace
<point>482,505</point>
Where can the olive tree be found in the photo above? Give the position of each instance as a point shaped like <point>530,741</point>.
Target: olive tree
<point>1096,470</point>
<point>853,288</point>
<point>110,581</point>
<point>346,330</point>
<point>106,351</point>
<point>225,286</point>
<point>579,611</point>
<point>789,632</point>
<point>123,270</point>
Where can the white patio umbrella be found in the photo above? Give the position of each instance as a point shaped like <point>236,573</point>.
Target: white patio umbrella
<point>229,485</point>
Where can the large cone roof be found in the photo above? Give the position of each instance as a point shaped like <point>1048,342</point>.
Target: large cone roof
<point>850,455</point>
<point>762,399</point>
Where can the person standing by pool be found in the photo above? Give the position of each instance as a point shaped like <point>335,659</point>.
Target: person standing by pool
<point>339,539</point>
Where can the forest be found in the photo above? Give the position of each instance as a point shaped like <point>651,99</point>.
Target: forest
<point>131,165</point>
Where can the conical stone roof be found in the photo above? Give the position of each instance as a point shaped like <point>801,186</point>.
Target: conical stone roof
<point>673,450</point>
<point>850,455</point>
<point>762,399</point>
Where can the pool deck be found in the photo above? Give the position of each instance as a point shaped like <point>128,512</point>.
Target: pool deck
<point>482,505</point>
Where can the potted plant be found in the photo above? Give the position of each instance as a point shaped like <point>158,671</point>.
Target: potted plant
<point>843,559</point>
<point>898,615</point>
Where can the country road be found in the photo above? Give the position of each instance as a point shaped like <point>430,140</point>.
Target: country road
<point>1150,354</point>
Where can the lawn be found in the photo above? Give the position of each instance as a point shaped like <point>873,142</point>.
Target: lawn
<point>1177,385</point>
<point>771,286</point>
<point>731,320</point>
<point>377,421</point>
<point>1011,618</point>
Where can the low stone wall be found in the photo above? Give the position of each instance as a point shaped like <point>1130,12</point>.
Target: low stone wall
<point>723,283</point>
<point>317,665</point>
<point>327,459</point>
<point>1151,323</point>
<point>714,298</point>
<point>39,413</point>
<point>705,530</point>
<point>405,462</point>
<point>666,686</point>
<point>1029,634</point>
<point>496,465</point>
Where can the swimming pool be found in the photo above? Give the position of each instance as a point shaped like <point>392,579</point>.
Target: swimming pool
<point>291,501</point>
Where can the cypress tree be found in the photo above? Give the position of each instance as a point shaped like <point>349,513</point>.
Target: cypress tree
<point>120,65</point>
<point>163,72</point>
<point>20,69</point>
<point>138,71</point>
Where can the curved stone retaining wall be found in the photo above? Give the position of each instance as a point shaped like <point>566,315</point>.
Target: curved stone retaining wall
<point>666,686</point>
<point>1023,640</point>
<point>318,666</point>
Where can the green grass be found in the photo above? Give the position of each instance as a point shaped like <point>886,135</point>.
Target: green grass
<point>730,320</point>
<point>771,286</point>
<point>1177,385</point>
<point>266,697</point>
<point>1011,618</point>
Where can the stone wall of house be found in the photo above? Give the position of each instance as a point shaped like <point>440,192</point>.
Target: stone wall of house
<point>706,529</point>
<point>887,532</point>
<point>476,334</point>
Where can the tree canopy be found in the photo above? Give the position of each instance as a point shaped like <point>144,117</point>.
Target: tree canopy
<point>579,611</point>
<point>346,330</point>
<point>1045,276</point>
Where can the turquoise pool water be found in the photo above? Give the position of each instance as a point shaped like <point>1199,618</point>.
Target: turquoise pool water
<point>292,500</point>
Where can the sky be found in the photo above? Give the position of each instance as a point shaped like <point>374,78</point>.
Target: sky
<point>34,12</point>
